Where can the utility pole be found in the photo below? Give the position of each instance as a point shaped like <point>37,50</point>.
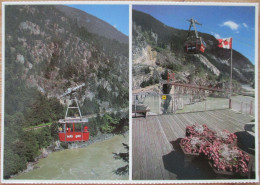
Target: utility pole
<point>230,103</point>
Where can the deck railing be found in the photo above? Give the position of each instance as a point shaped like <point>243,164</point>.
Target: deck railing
<point>243,106</point>
<point>182,103</point>
<point>179,103</point>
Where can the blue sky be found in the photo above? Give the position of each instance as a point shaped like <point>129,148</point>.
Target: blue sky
<point>116,15</point>
<point>237,22</point>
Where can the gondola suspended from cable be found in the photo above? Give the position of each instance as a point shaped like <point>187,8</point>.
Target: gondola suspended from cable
<point>72,129</point>
<point>194,45</point>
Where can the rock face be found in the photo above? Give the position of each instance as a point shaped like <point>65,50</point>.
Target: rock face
<point>160,48</point>
<point>29,26</point>
<point>53,48</point>
<point>209,65</point>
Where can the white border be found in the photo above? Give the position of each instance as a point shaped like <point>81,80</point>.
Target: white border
<point>256,93</point>
<point>3,92</point>
<point>130,95</point>
<point>130,4</point>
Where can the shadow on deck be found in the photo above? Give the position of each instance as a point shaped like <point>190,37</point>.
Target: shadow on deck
<point>197,169</point>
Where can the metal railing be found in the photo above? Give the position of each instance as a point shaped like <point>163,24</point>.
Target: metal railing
<point>183,103</point>
<point>179,103</point>
<point>243,106</point>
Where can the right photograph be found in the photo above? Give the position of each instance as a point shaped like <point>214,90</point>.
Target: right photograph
<point>194,107</point>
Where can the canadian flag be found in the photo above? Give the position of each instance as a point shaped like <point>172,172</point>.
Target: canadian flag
<point>225,43</point>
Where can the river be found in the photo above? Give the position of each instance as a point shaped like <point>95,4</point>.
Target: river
<point>94,162</point>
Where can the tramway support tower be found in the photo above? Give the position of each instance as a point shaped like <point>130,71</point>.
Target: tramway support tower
<point>73,128</point>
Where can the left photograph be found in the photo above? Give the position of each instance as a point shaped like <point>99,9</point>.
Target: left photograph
<point>66,92</point>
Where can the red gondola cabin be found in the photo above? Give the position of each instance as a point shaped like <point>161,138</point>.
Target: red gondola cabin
<point>72,130</point>
<point>195,46</point>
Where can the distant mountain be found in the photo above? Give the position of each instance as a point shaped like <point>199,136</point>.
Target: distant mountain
<point>93,24</point>
<point>160,48</point>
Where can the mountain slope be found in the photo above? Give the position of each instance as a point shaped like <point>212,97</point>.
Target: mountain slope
<point>51,52</point>
<point>93,24</point>
<point>160,48</point>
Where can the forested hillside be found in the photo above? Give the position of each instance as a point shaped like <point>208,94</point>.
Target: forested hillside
<point>47,52</point>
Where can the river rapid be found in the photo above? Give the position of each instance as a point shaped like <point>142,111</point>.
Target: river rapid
<point>94,162</point>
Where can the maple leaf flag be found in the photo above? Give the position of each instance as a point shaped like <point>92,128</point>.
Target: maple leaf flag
<point>225,43</point>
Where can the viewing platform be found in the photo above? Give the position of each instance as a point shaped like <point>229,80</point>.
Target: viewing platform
<point>156,151</point>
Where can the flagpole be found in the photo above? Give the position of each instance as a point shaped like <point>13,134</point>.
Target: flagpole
<point>230,105</point>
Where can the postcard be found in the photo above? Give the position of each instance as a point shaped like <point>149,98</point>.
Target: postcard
<point>129,92</point>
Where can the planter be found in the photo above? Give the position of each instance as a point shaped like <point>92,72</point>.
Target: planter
<point>227,138</point>
<point>228,161</point>
<point>200,131</point>
<point>219,148</point>
<point>193,145</point>
<point>196,130</point>
<point>188,157</point>
<point>187,153</point>
<point>228,174</point>
<point>220,173</point>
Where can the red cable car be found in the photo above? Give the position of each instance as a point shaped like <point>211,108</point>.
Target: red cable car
<point>194,45</point>
<point>73,128</point>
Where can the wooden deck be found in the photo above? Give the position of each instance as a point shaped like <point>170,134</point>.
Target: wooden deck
<point>156,153</point>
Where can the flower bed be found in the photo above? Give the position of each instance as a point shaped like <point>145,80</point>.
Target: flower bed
<point>224,158</point>
<point>193,145</point>
<point>220,149</point>
<point>226,137</point>
<point>197,130</point>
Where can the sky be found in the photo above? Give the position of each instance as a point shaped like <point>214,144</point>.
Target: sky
<point>237,22</point>
<point>115,15</point>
